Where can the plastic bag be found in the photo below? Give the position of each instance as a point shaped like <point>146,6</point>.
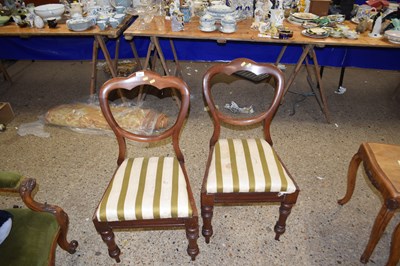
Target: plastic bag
<point>89,116</point>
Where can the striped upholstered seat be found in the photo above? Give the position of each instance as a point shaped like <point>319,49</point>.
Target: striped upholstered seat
<point>163,194</point>
<point>247,165</point>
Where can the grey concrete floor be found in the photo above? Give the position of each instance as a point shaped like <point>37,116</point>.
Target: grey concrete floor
<point>73,169</point>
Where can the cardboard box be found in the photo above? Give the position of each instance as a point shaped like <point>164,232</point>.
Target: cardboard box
<point>320,7</point>
<point>6,113</point>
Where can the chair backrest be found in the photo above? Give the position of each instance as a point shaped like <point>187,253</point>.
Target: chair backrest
<point>255,71</point>
<point>136,81</point>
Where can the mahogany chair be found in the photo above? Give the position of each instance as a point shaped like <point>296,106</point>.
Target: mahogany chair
<point>245,170</point>
<point>382,166</point>
<point>147,192</point>
<point>35,230</point>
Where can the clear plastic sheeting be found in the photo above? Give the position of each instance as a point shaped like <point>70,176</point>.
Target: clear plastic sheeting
<point>84,117</point>
<point>33,128</point>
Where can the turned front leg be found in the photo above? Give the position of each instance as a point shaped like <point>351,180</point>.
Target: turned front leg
<point>207,208</point>
<point>192,234</point>
<point>113,250</point>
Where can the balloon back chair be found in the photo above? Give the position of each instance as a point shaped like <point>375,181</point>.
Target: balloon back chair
<point>241,171</point>
<point>147,192</point>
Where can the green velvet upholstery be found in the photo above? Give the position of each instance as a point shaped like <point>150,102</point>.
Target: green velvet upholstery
<point>10,180</point>
<point>30,240</point>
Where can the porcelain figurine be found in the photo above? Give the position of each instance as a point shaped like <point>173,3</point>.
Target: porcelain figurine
<point>177,21</point>
<point>259,12</point>
<point>376,28</point>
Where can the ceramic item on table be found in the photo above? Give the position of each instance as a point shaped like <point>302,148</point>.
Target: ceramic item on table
<point>362,26</point>
<point>216,3</point>
<point>103,16</point>
<point>22,24</point>
<point>52,22</point>
<point>75,10</point>
<point>351,34</point>
<point>186,13</point>
<point>4,20</point>
<point>393,36</point>
<point>119,17</point>
<point>277,17</point>
<point>228,24</point>
<point>364,11</point>
<point>114,23</point>
<point>207,21</point>
<point>309,24</point>
<point>285,34</point>
<point>30,7</point>
<point>305,16</point>
<point>50,10</point>
<point>38,22</point>
<point>120,9</point>
<point>338,18</point>
<point>376,29</point>
<point>336,34</point>
<point>176,23</point>
<point>294,21</point>
<point>94,10</point>
<point>226,30</point>
<point>80,24</point>
<point>102,24</point>
<point>316,33</point>
<point>198,8</point>
<point>259,13</point>
<point>264,27</point>
<point>208,29</point>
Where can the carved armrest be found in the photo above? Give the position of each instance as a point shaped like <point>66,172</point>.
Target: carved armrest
<point>25,190</point>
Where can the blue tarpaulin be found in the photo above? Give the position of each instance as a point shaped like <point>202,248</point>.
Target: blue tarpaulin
<point>80,48</point>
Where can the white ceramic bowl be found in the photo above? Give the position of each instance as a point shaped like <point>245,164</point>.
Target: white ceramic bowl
<point>393,36</point>
<point>50,10</point>
<point>80,24</point>
<point>4,20</point>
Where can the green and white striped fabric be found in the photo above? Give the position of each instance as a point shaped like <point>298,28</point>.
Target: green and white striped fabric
<point>247,165</point>
<point>146,188</point>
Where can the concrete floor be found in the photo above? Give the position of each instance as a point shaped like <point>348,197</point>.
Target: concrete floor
<point>73,169</point>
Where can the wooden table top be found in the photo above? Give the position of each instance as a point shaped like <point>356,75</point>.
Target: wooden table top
<point>11,29</point>
<point>245,33</point>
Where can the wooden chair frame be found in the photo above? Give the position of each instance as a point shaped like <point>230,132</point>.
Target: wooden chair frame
<point>208,200</point>
<point>382,182</point>
<point>25,190</point>
<point>137,80</point>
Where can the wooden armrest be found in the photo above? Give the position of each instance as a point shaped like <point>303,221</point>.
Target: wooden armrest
<point>25,190</point>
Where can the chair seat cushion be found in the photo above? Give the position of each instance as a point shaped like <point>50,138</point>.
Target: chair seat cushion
<point>247,165</point>
<point>31,238</point>
<point>146,188</point>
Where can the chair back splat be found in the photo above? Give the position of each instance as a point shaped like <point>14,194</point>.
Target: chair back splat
<point>147,192</point>
<point>245,170</point>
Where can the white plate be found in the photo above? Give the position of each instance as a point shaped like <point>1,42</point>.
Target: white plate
<point>295,22</point>
<point>317,31</point>
<point>305,33</point>
<point>393,41</point>
<point>208,29</point>
<point>305,16</point>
